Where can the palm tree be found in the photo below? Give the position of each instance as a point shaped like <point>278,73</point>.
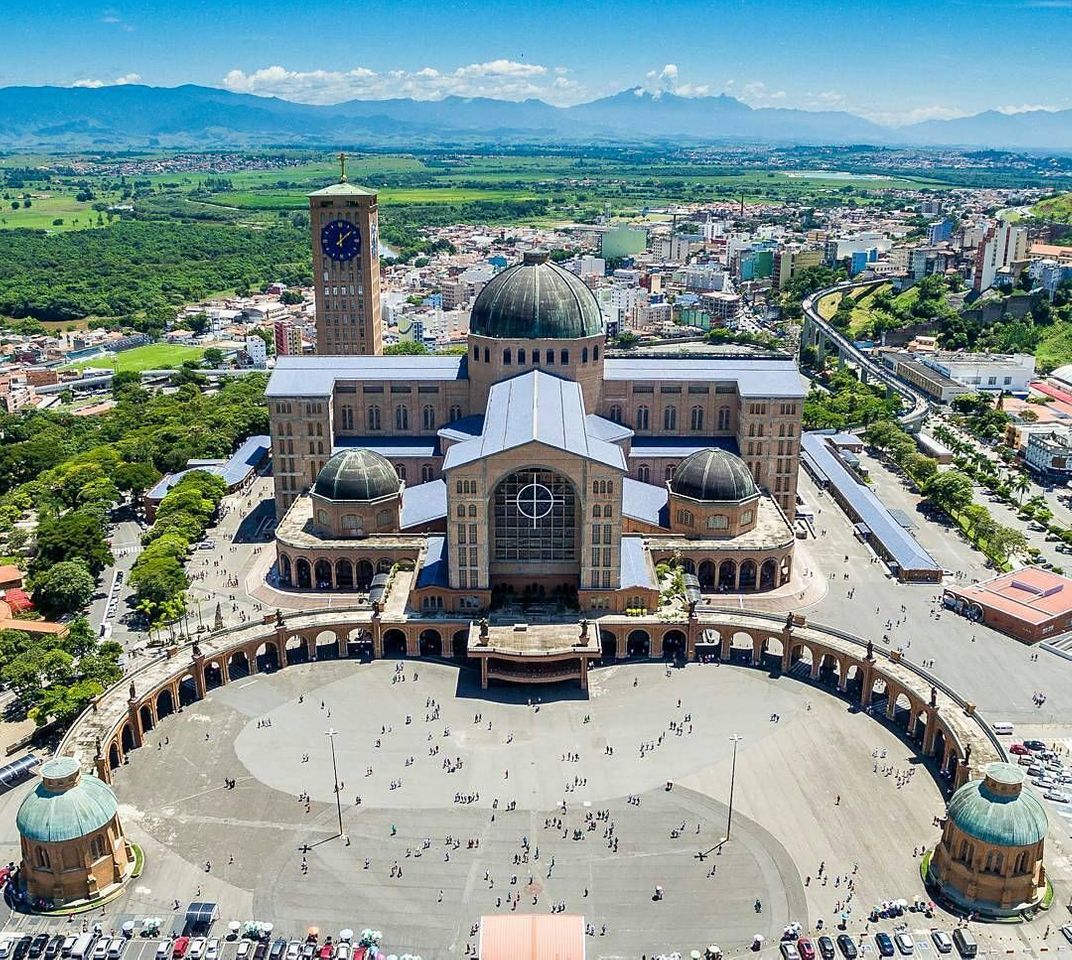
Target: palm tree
<point>1021,485</point>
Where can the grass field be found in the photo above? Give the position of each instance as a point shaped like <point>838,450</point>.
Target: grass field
<point>1058,208</point>
<point>153,356</point>
<point>45,209</point>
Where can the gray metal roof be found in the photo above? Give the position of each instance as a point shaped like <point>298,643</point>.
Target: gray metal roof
<point>343,190</point>
<point>642,447</point>
<point>464,429</point>
<point>646,502</point>
<point>423,503</point>
<point>903,547</point>
<point>606,429</point>
<point>754,378</point>
<point>637,568</point>
<point>315,376</point>
<point>434,572</point>
<point>390,447</point>
<point>234,470</point>
<point>535,408</point>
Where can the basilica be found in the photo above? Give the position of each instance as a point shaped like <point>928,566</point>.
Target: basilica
<point>534,468</point>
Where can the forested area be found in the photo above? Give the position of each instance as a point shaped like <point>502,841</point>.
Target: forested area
<point>134,267</point>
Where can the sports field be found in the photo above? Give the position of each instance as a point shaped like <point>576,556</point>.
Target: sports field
<point>153,356</point>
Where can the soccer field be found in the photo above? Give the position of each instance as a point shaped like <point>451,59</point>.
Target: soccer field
<point>153,356</point>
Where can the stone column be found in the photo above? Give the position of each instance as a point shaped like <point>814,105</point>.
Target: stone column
<point>584,673</point>
<point>199,675</point>
<point>655,649</point>
<point>413,644</point>
<point>342,642</point>
<point>891,702</point>
<point>483,673</point>
<point>622,650</point>
<point>377,636</point>
<point>867,676</point>
<point>816,660</point>
<point>134,716</point>
<point>931,732</point>
<point>724,647</point>
<point>251,658</point>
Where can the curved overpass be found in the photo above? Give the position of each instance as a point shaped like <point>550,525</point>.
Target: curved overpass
<point>934,718</point>
<point>819,333</point>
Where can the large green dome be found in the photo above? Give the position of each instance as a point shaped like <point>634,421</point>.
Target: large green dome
<point>357,474</point>
<point>65,805</point>
<point>713,475</point>
<point>1000,808</point>
<point>536,300</point>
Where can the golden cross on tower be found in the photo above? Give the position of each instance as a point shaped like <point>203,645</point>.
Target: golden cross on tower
<point>342,168</point>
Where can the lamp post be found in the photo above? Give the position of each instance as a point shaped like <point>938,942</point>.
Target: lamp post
<point>331,733</point>
<point>735,739</point>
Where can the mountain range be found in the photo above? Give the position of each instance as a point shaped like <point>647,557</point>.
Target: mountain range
<point>137,116</point>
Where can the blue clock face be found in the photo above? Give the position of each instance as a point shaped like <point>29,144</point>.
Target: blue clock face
<point>340,240</point>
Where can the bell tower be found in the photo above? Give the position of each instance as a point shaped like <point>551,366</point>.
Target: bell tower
<point>344,220</point>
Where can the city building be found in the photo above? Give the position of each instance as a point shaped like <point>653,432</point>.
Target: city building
<point>1003,244</point>
<point>346,269</point>
<point>1049,454</point>
<point>789,261</point>
<point>1030,605</point>
<point>288,338</point>
<point>940,232</point>
<point>73,846</point>
<point>534,465</point>
<point>911,368</point>
<point>984,372</point>
<point>257,350</point>
<point>988,862</point>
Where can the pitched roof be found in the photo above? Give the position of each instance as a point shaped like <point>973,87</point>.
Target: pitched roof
<point>535,407</point>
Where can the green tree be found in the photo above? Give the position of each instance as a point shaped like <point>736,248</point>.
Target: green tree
<point>64,587</point>
<point>213,357</point>
<point>136,478</point>
<point>73,536</point>
<point>407,348</point>
<point>952,491</point>
<point>1005,542</point>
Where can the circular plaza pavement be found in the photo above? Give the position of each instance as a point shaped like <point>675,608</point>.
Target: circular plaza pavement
<point>819,784</point>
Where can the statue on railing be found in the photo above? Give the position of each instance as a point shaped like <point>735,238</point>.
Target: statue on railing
<point>584,629</point>
<point>278,617</point>
<point>870,649</point>
<point>197,651</point>
<point>133,693</point>
<point>483,628</point>
<point>934,696</point>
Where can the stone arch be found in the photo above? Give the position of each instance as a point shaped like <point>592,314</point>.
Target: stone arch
<point>727,575</point>
<point>327,645</point>
<point>165,703</point>
<point>688,565</point>
<point>238,665</point>
<point>303,574</point>
<point>430,643</point>
<point>785,570</point>
<point>608,646</point>
<point>940,741</point>
<point>742,646</point>
<point>359,643</point>
<point>213,675</point>
<point>459,644</point>
<point>286,572</point>
<point>296,650</point>
<point>900,711</point>
<point>675,644</point>
<point>344,574</point>
<point>771,651</point>
<point>880,692</point>
<point>324,574</point>
<point>800,658</point>
<point>268,660</point>
<point>638,644</point>
<point>145,714</point>
<point>113,755</point>
<point>853,681</point>
<point>768,574</point>
<point>829,668</point>
<point>363,574</point>
<point>746,579</point>
<point>188,690</point>
<point>706,574</point>
<point>126,737</point>
<point>394,643</point>
<point>384,564</point>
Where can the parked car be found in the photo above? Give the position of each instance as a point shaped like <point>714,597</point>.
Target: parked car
<point>942,941</point>
<point>68,945</point>
<point>100,951</point>
<point>884,942</point>
<point>826,948</point>
<point>805,949</point>
<point>1034,745</point>
<point>38,944</point>
<point>1019,749</point>
<point>212,949</point>
<point>905,943</point>
<point>789,950</point>
<point>293,949</point>
<point>181,946</point>
<point>163,950</point>
<point>342,951</point>
<point>1057,796</point>
<point>847,947</point>
<point>244,950</point>
<point>1067,931</point>
<point>55,945</point>
<point>22,946</point>
<point>279,947</point>
<point>115,947</point>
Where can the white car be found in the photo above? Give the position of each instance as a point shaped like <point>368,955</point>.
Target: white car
<point>100,951</point>
<point>1067,931</point>
<point>245,950</point>
<point>342,951</point>
<point>163,951</point>
<point>905,943</point>
<point>293,949</point>
<point>1057,796</point>
<point>115,948</point>
<point>196,950</point>
<point>212,950</point>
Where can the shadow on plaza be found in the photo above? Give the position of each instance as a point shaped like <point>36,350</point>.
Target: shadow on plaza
<point>468,688</point>
<point>255,527</point>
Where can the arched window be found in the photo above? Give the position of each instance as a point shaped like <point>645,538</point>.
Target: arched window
<point>97,847</point>
<point>684,517</point>
<point>487,355</point>
<point>563,357</point>
<point>426,472</point>
<point>723,418</point>
<point>322,517</point>
<point>348,417</point>
<point>401,417</point>
<point>643,418</point>
<point>668,473</point>
<point>428,417</point>
<point>644,473</point>
<point>400,469</point>
<point>616,413</point>
<point>455,413</point>
<point>595,353</point>
<point>508,357</point>
<point>549,356</point>
<point>42,858</point>
<point>670,418</point>
<point>696,419</point>
<point>520,356</point>
<point>717,522</point>
<point>597,511</point>
<point>472,510</point>
<point>476,353</point>
<point>373,418</point>
<point>584,355</point>
<point>460,511</point>
<point>536,356</point>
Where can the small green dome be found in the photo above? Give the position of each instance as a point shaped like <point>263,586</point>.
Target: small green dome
<point>713,475</point>
<point>65,805</point>
<point>536,300</point>
<point>1000,809</point>
<point>356,475</point>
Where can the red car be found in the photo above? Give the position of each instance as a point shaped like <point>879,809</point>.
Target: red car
<point>805,949</point>
<point>179,950</point>
<point>1019,749</point>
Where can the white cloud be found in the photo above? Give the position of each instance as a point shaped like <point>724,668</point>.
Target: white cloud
<point>93,84</point>
<point>1027,108</point>
<point>112,19</point>
<point>758,94</point>
<point>501,79</point>
<point>658,82</point>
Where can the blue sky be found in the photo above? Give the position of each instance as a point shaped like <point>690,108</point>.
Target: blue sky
<point>892,60</point>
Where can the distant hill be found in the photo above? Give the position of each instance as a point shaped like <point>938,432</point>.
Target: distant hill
<point>133,116</point>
